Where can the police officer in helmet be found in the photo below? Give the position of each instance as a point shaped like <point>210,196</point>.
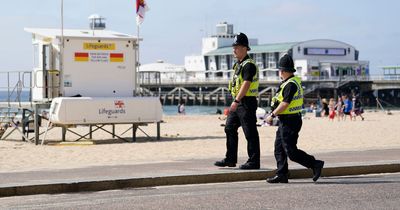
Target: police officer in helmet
<point>244,90</point>
<point>287,106</point>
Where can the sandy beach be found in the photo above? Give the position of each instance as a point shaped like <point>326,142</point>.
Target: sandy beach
<point>188,137</point>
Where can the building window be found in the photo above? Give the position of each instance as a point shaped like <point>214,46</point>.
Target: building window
<point>228,62</point>
<point>271,60</point>
<point>264,59</point>
<point>224,65</point>
<point>259,60</point>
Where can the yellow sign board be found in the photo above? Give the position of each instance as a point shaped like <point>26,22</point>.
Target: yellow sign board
<point>98,46</point>
<point>47,39</point>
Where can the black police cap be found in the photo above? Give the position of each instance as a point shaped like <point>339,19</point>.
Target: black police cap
<point>286,63</point>
<point>241,39</point>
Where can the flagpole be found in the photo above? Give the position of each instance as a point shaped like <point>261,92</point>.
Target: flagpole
<point>141,8</point>
<point>137,60</point>
<point>61,58</point>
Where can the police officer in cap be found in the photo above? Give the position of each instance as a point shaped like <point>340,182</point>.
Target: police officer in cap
<point>287,106</point>
<point>244,90</point>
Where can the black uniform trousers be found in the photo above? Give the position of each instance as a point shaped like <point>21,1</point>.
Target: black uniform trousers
<point>286,144</point>
<point>245,116</point>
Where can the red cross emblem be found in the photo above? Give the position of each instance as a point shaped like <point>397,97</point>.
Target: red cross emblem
<point>119,104</point>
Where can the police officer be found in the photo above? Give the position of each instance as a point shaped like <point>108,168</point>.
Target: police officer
<point>287,106</point>
<point>244,90</point>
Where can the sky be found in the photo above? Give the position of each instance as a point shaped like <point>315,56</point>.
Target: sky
<point>173,29</point>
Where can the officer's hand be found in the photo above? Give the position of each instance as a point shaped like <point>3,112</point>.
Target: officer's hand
<point>233,107</point>
<point>269,120</point>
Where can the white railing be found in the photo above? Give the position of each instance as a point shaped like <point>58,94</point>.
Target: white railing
<point>199,80</point>
<point>384,77</point>
<point>342,79</point>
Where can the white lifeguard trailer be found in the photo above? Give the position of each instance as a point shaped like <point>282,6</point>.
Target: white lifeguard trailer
<point>89,77</point>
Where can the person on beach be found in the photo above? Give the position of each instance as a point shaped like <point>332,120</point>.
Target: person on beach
<point>325,108</point>
<point>339,108</point>
<point>358,110</point>
<point>332,110</point>
<point>181,108</point>
<point>242,112</point>
<point>287,105</point>
<point>348,107</point>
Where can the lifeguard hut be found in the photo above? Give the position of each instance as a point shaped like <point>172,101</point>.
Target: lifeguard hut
<point>93,62</point>
<point>88,77</point>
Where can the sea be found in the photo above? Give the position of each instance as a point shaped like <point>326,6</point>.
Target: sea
<point>167,109</point>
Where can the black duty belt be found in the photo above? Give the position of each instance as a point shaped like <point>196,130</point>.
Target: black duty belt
<point>286,116</point>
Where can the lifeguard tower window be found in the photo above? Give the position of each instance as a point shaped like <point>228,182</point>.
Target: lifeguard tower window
<point>46,57</point>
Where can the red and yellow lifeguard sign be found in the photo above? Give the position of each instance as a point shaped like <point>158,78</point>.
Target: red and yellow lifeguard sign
<point>81,57</point>
<point>116,57</point>
<point>95,57</point>
<point>98,53</point>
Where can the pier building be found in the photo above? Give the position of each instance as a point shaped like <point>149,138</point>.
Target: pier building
<point>327,67</point>
<point>321,58</point>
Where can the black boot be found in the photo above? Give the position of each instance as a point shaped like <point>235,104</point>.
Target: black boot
<point>249,166</point>
<point>317,170</point>
<point>224,163</point>
<point>278,179</point>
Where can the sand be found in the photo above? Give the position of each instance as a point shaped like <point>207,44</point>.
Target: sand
<point>193,137</point>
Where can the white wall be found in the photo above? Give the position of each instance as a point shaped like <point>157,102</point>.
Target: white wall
<point>323,43</point>
<point>212,43</point>
<point>99,78</point>
<point>301,67</point>
<point>195,63</point>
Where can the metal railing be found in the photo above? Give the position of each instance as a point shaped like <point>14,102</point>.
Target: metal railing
<point>223,80</point>
<point>14,83</point>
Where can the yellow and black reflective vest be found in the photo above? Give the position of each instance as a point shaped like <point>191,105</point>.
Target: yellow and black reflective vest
<point>237,80</point>
<point>296,105</point>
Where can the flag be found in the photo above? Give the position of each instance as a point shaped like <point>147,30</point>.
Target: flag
<point>141,9</point>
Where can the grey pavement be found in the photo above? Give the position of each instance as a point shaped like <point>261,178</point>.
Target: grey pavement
<point>193,171</point>
<point>376,191</point>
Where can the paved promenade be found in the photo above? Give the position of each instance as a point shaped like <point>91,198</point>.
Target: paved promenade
<point>194,171</point>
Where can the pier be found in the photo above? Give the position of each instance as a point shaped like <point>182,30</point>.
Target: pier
<point>214,91</point>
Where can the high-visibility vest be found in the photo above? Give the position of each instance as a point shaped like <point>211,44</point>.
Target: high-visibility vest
<point>237,80</point>
<point>296,105</point>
